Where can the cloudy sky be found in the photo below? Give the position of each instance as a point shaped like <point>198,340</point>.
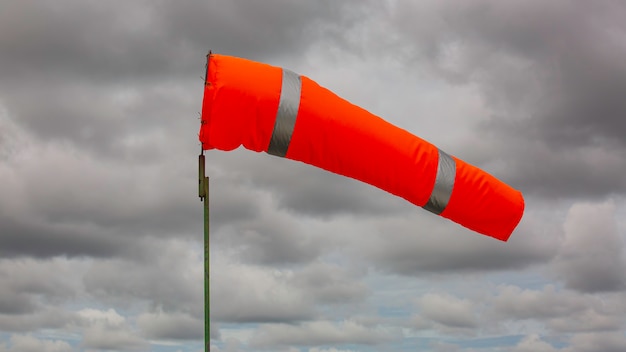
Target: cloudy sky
<point>101,226</point>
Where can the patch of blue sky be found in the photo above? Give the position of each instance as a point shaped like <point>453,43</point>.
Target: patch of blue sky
<point>528,279</point>
<point>187,346</point>
<point>487,342</point>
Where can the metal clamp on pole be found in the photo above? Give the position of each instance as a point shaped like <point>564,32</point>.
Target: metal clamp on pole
<point>202,191</point>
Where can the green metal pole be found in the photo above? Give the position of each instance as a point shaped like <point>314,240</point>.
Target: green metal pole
<point>204,195</point>
<point>203,192</point>
<point>207,275</point>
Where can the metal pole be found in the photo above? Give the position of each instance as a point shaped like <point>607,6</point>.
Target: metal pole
<point>203,192</point>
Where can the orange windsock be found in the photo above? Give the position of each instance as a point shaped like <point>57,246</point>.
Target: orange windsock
<point>266,108</point>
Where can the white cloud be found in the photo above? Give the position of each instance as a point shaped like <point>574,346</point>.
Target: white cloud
<point>46,317</point>
<point>95,316</point>
<point>30,343</point>
<point>561,311</point>
<point>252,294</point>
<point>602,318</point>
<point>533,343</point>
<point>320,333</point>
<point>112,338</point>
<point>108,330</point>
<point>448,310</point>
<point>230,345</point>
<point>515,302</point>
<point>603,341</point>
<point>176,326</point>
<point>332,349</point>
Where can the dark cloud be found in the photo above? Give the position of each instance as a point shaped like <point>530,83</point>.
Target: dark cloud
<point>551,76</point>
<point>170,278</point>
<point>41,240</point>
<point>231,202</point>
<point>60,201</point>
<point>272,240</point>
<point>320,193</point>
<point>330,284</point>
<point>302,189</point>
<point>42,38</point>
<point>12,302</point>
<point>100,223</point>
<point>28,286</point>
<point>582,172</point>
<point>148,38</point>
<point>130,122</point>
<point>52,318</point>
<point>592,258</point>
<point>425,243</point>
<point>130,74</point>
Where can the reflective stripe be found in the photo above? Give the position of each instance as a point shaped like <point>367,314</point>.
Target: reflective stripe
<point>286,115</point>
<point>444,183</point>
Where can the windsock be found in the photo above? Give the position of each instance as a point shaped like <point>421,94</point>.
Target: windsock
<point>274,110</point>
